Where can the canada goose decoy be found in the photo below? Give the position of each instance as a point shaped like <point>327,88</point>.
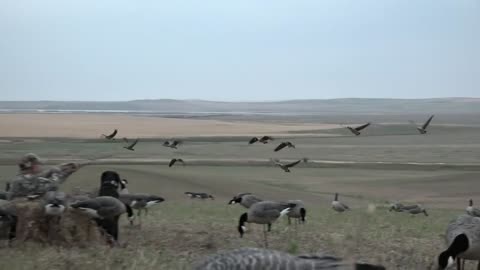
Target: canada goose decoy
<point>472,211</point>
<point>175,160</point>
<point>463,241</point>
<point>356,130</point>
<point>265,213</point>
<point>263,140</point>
<point>110,183</point>
<point>298,212</point>
<point>141,201</point>
<point>260,259</point>
<point>283,145</point>
<point>338,206</point>
<point>423,129</point>
<point>245,199</point>
<point>417,210</point>
<point>123,186</point>
<point>111,136</point>
<point>286,167</point>
<point>173,144</point>
<point>199,195</point>
<point>55,203</point>
<point>130,147</point>
<point>106,210</point>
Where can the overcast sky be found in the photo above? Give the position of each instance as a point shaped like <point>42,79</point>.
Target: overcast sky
<point>238,50</point>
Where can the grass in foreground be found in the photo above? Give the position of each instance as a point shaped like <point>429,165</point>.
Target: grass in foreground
<point>179,232</point>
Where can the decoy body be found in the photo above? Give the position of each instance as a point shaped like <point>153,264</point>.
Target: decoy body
<point>141,201</point>
<point>356,130</point>
<point>338,206</point>
<point>261,259</point>
<point>299,212</point>
<point>463,242</point>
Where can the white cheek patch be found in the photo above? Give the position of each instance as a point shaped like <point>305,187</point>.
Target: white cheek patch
<point>244,229</point>
<point>133,203</point>
<point>451,261</point>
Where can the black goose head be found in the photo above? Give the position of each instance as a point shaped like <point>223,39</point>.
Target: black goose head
<point>235,200</point>
<point>110,176</point>
<point>460,244</point>
<point>241,224</point>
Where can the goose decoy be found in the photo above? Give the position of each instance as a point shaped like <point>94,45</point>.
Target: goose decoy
<point>105,210</point>
<point>338,206</point>
<point>260,259</point>
<point>283,145</point>
<point>141,201</point>
<point>175,160</point>
<point>245,199</point>
<point>123,186</point>
<point>286,167</point>
<point>472,211</point>
<point>130,147</point>
<point>173,144</point>
<point>416,210</point>
<point>265,213</point>
<point>55,203</point>
<point>463,241</point>
<point>111,136</point>
<point>298,212</point>
<point>199,195</point>
<point>356,130</point>
<point>423,129</point>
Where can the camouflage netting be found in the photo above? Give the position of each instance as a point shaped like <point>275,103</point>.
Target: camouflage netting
<point>72,229</point>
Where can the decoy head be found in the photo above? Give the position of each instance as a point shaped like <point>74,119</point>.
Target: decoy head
<point>235,200</point>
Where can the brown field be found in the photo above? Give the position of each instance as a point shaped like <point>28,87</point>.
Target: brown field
<point>385,164</point>
<point>93,125</point>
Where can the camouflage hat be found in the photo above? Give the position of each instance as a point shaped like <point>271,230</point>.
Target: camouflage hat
<point>28,160</point>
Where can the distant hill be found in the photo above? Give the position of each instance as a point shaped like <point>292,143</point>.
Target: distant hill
<point>310,106</point>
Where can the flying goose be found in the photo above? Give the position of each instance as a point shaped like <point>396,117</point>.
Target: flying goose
<point>298,212</point>
<point>265,213</point>
<point>283,145</point>
<point>260,259</point>
<point>111,136</point>
<point>423,129</point>
<point>141,201</point>
<point>130,147</point>
<point>356,130</point>
<point>245,199</point>
<point>174,160</point>
<point>463,241</point>
<point>199,195</point>
<point>472,211</point>
<point>286,167</point>
<point>173,144</point>
<point>106,211</point>
<point>263,140</point>
<point>338,206</point>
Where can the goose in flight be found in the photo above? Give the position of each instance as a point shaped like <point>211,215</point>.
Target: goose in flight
<point>111,136</point>
<point>130,147</point>
<point>283,145</point>
<point>423,129</point>
<point>263,140</point>
<point>173,144</point>
<point>174,160</point>
<point>286,167</point>
<point>356,130</point>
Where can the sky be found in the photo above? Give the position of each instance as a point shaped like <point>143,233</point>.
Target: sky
<point>246,50</point>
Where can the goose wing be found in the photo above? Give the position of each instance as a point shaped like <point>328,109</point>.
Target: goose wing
<point>133,144</point>
<point>175,143</point>
<point>172,162</point>
<point>253,140</point>
<point>112,135</point>
<point>428,122</point>
<point>362,127</point>
<point>293,163</point>
<point>181,160</point>
<point>280,146</point>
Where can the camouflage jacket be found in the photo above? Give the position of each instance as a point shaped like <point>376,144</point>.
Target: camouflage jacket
<point>49,180</point>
